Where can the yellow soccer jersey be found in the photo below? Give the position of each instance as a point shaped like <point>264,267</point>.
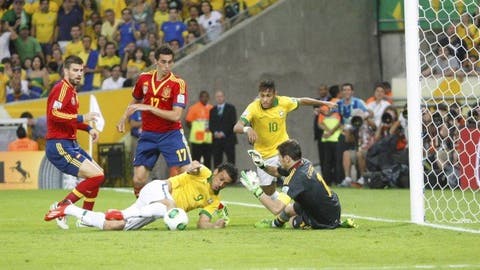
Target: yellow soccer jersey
<point>269,124</point>
<point>193,191</point>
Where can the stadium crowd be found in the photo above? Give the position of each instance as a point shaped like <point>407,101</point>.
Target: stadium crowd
<point>115,38</point>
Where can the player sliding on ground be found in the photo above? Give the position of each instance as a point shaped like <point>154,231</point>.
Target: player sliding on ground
<point>306,200</point>
<point>193,189</point>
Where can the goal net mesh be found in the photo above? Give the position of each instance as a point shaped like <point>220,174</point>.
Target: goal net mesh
<point>449,39</point>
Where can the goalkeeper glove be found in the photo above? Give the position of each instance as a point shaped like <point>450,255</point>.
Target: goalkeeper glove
<point>222,213</point>
<point>250,181</point>
<point>257,158</point>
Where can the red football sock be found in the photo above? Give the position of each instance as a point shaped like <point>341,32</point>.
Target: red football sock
<point>89,202</point>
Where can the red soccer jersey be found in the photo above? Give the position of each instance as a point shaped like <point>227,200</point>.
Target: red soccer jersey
<point>164,94</point>
<point>62,109</point>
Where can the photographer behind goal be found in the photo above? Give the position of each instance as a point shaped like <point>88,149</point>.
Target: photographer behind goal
<point>359,132</point>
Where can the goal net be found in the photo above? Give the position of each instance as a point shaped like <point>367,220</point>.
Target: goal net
<point>445,56</point>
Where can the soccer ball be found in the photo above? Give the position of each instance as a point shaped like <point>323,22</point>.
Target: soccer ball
<point>176,219</point>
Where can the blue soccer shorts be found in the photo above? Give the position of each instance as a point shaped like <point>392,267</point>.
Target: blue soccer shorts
<point>66,155</point>
<point>172,145</point>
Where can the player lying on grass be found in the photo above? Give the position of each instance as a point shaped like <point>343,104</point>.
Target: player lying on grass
<point>306,200</point>
<point>193,189</point>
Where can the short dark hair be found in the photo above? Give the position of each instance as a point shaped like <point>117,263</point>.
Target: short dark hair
<point>379,84</point>
<point>165,50</point>
<point>266,84</point>
<point>290,148</point>
<point>386,85</point>
<point>348,84</point>
<point>72,59</point>
<point>21,132</point>
<point>230,169</point>
<point>333,91</point>
<point>28,115</point>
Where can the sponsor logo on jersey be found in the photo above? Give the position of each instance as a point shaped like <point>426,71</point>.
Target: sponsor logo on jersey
<point>145,88</point>
<point>181,99</point>
<point>73,101</point>
<point>57,104</point>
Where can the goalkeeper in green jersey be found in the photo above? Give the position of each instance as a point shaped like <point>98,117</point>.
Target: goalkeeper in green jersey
<point>197,188</point>
<point>306,200</point>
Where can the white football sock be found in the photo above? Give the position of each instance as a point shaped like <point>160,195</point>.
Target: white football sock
<point>95,219</point>
<point>131,211</point>
<point>156,210</point>
<point>89,218</point>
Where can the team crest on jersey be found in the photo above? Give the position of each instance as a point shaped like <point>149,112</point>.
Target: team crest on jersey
<point>281,113</point>
<point>210,201</point>
<point>166,91</point>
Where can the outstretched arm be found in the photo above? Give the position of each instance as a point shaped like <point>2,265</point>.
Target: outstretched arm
<point>250,182</point>
<point>316,102</point>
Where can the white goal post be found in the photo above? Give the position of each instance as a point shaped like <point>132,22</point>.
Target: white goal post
<point>443,94</point>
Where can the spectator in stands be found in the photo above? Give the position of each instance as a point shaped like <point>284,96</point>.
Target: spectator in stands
<point>143,12</point>
<point>194,27</point>
<point>116,6</point>
<point>101,45</point>
<point>193,43</point>
<point>115,81</point>
<point>175,45</point>
<point>4,5</point>
<point>233,10</point>
<point>378,104</point>
<point>161,13</point>
<point>38,128</point>
<point>211,21</point>
<point>200,137</point>
<point>38,76</point>
<point>126,32</point>
<point>97,32</point>
<point>7,67</point>
<point>455,44</point>
<point>43,26</point>
<point>6,34</point>
<point>137,60</point>
<point>26,46</point>
<point>17,89</point>
<point>346,105</point>
<point>90,15</point>
<point>174,28</point>
<point>105,63</point>
<point>193,13</point>
<point>443,65</point>
<point>92,76</point>
<point>74,46</point>
<point>110,24</point>
<point>142,36</point>
<point>56,57</point>
<point>22,143</point>
<point>70,14</point>
<point>33,6</point>
<point>17,17</point>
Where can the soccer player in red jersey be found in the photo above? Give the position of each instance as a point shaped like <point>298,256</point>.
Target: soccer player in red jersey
<point>161,96</point>
<point>62,148</point>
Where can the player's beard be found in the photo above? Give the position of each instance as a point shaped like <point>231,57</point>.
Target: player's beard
<point>74,81</point>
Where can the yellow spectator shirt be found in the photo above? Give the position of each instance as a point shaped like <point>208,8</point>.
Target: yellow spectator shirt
<point>194,191</point>
<point>73,48</point>
<point>45,25</point>
<point>269,124</point>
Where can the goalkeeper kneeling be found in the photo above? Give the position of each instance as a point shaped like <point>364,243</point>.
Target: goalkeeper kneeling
<point>306,201</point>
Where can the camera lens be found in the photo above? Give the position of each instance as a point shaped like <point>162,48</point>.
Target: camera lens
<point>387,118</point>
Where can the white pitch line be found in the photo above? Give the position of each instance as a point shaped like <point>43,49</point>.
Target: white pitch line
<point>378,219</point>
<point>437,226</point>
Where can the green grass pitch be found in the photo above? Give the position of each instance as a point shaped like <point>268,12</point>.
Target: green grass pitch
<point>384,240</point>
